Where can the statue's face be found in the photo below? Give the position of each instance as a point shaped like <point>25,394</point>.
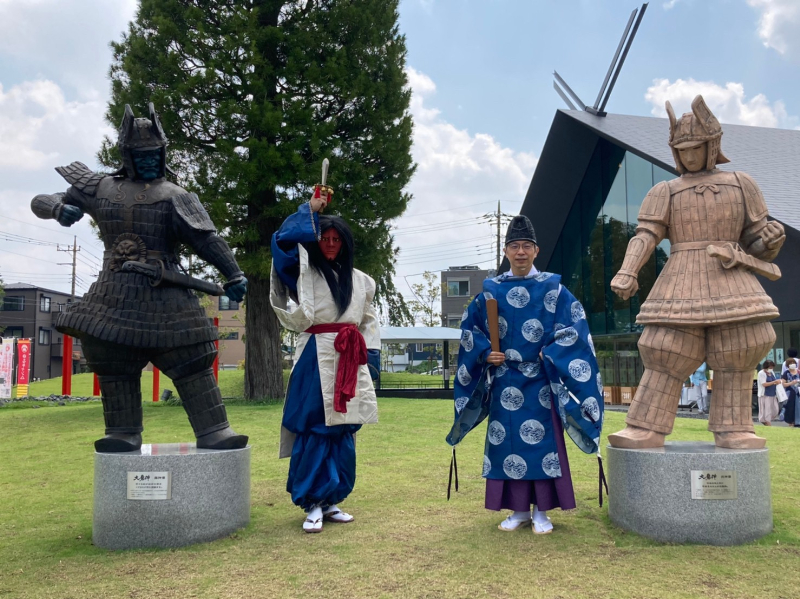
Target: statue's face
<point>521,255</point>
<point>694,159</point>
<point>147,163</point>
<point>330,243</point>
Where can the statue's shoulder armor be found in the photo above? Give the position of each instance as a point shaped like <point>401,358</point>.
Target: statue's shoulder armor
<point>754,201</point>
<point>191,212</point>
<point>655,206</point>
<point>121,190</point>
<point>81,177</point>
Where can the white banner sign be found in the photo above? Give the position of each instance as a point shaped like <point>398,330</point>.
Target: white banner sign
<point>149,485</point>
<point>6,366</point>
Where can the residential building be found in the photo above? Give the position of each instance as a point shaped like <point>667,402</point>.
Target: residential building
<point>459,285</point>
<point>29,312</point>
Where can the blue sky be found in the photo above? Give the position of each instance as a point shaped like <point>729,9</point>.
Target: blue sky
<point>483,101</point>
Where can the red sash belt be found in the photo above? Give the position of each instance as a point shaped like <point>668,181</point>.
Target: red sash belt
<point>352,349</point>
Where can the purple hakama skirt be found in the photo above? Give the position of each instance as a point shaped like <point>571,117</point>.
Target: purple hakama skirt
<point>548,494</point>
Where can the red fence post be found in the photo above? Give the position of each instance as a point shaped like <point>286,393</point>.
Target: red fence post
<point>155,383</point>
<point>95,385</point>
<point>66,367</point>
<point>216,344</point>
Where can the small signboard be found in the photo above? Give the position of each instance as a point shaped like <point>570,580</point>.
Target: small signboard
<point>152,486</point>
<point>714,484</point>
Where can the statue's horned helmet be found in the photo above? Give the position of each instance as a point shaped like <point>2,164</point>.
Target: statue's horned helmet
<point>694,128</point>
<point>140,134</point>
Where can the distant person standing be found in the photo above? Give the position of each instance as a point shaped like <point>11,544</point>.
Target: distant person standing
<point>767,399</point>
<point>791,381</point>
<point>791,354</point>
<point>700,384</point>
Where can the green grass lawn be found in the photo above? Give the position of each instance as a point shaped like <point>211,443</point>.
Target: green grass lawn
<point>407,540</point>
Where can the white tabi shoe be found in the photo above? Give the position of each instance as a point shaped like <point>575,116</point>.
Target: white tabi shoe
<point>313,521</point>
<point>542,528</point>
<point>511,523</point>
<point>334,514</point>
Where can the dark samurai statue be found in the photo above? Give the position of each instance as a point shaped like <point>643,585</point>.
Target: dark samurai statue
<point>141,308</point>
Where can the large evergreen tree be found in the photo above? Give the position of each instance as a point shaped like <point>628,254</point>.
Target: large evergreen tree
<point>253,95</point>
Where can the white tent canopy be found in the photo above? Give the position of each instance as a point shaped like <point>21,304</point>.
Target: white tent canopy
<point>419,334</point>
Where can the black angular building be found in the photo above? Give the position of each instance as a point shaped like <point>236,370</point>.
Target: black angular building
<point>584,200</point>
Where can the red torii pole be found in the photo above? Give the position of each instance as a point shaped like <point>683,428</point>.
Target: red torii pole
<point>155,383</point>
<point>66,367</point>
<point>216,344</point>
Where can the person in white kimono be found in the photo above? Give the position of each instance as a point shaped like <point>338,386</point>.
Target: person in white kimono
<point>330,393</point>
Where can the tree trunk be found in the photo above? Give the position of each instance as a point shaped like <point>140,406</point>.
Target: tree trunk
<point>263,370</point>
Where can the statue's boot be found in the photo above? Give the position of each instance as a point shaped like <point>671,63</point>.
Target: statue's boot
<point>634,437</point>
<point>202,401</point>
<point>225,438</point>
<point>122,411</point>
<point>739,440</point>
<point>119,442</point>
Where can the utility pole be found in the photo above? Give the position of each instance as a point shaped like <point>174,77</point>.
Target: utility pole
<point>497,218</point>
<point>74,249</point>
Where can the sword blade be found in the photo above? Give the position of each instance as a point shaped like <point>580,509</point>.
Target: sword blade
<point>325,165</point>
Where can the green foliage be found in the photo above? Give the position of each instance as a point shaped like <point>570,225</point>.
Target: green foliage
<point>253,95</point>
<point>427,307</point>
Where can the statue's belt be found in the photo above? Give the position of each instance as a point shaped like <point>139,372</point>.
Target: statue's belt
<point>149,255</point>
<point>731,255</point>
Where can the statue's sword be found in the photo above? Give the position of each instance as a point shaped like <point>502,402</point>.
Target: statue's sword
<point>160,275</point>
<point>730,255</point>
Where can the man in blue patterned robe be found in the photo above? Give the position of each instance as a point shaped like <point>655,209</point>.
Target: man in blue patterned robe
<point>543,381</point>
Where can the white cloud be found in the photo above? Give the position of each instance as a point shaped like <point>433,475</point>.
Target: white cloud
<point>729,102</point>
<point>39,128</point>
<point>670,4</point>
<point>460,177</point>
<point>779,25</point>
<point>67,42</point>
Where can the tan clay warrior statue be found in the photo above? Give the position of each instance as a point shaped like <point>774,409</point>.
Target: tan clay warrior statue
<point>707,303</point>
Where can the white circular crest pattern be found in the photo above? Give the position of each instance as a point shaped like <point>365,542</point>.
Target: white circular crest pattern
<point>600,384</point>
<point>558,326</point>
<point>502,327</point>
<point>580,370</point>
<point>532,330</point>
<point>501,370</point>
<point>531,431</point>
<point>561,392</point>
<point>464,316</point>
<point>514,466</point>
<point>487,466</point>
<point>530,369</point>
<point>577,311</point>
<point>550,300</point>
<point>511,399</point>
<point>466,340</point>
<point>496,433</point>
<point>488,295</point>
<point>566,336</point>
<point>514,355</point>
<point>551,465</point>
<point>591,344</point>
<point>544,397</point>
<point>543,276</point>
<point>461,403</point>
<point>518,297</point>
<point>464,376</point>
<point>590,409</point>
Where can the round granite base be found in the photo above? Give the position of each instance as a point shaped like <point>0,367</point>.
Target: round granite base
<point>205,496</point>
<point>650,493</point>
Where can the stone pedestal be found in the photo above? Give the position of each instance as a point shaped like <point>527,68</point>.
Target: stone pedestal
<point>650,493</point>
<point>205,496</point>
